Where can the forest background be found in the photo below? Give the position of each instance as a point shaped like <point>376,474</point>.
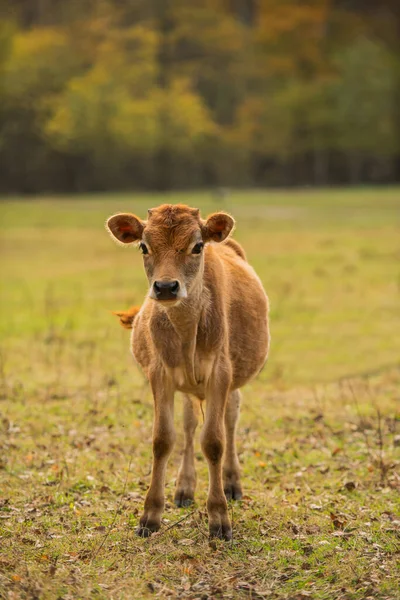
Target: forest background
<point>164,94</point>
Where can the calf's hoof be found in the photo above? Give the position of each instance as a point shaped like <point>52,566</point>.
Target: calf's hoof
<point>183,499</point>
<point>146,528</point>
<point>221,532</point>
<point>233,491</point>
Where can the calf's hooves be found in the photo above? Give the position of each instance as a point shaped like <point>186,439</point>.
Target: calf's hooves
<point>233,492</point>
<point>221,532</point>
<point>146,528</point>
<point>182,499</point>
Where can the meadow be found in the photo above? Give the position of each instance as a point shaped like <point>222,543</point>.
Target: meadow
<point>319,435</point>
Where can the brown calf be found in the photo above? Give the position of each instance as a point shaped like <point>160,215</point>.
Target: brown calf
<point>202,330</point>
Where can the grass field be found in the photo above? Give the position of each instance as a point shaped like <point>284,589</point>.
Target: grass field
<point>319,438</point>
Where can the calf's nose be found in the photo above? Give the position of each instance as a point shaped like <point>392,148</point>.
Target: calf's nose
<point>166,290</point>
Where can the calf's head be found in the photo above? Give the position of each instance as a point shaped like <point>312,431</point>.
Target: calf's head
<point>172,242</point>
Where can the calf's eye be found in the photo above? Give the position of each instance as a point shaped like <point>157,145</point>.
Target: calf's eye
<point>143,248</point>
<point>197,248</point>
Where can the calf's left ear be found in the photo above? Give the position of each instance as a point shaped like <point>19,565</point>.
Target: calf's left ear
<point>217,227</point>
<point>126,228</point>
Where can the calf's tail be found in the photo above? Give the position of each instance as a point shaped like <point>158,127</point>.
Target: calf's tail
<point>127,317</point>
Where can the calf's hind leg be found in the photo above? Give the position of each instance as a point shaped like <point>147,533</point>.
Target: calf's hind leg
<point>186,481</point>
<point>231,469</point>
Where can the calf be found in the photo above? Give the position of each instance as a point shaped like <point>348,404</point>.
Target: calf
<point>202,330</point>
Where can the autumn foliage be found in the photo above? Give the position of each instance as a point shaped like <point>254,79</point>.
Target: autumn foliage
<point>136,94</point>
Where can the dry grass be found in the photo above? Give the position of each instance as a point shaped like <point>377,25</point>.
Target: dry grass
<point>319,434</point>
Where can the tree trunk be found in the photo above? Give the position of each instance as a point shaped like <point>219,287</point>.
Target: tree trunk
<point>320,167</point>
<point>355,165</point>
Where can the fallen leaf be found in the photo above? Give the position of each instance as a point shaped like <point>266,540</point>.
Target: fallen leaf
<point>350,485</point>
<point>337,522</point>
<point>315,507</point>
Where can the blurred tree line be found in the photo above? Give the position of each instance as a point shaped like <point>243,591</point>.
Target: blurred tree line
<point>113,94</point>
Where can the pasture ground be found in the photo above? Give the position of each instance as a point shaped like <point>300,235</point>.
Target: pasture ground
<point>319,436</point>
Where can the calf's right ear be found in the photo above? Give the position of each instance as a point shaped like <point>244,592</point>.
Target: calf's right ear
<point>126,228</point>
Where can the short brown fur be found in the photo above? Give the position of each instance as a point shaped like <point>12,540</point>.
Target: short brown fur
<point>207,343</point>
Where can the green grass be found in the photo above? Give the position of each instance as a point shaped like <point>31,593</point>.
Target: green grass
<point>319,431</point>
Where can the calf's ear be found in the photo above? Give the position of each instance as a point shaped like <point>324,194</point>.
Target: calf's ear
<point>217,227</point>
<point>126,228</point>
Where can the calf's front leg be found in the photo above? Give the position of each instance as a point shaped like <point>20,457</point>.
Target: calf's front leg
<point>163,442</point>
<point>213,444</point>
